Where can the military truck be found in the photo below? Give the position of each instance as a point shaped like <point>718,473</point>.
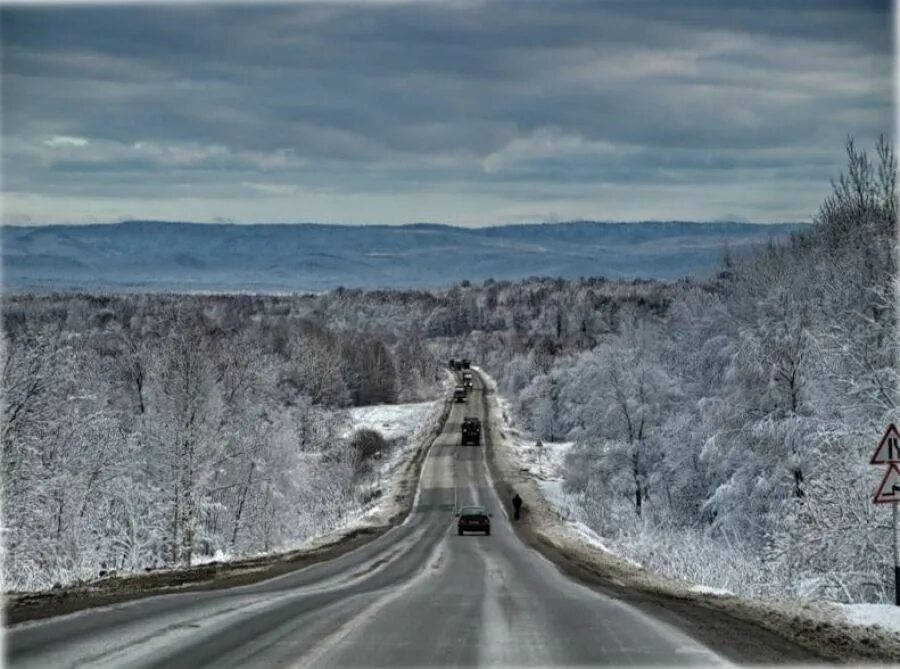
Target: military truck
<point>465,363</point>
<point>467,379</point>
<point>459,394</point>
<point>453,364</point>
<point>471,431</point>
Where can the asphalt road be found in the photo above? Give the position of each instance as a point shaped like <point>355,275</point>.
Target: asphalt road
<point>420,595</point>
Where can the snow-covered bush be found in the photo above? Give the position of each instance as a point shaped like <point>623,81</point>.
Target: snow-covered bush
<point>141,432</point>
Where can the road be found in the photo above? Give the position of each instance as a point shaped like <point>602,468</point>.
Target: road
<point>419,595</point>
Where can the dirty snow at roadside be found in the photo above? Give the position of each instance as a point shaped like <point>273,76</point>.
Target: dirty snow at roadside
<point>544,461</point>
<point>886,616</point>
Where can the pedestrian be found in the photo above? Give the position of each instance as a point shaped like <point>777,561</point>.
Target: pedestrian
<point>517,506</point>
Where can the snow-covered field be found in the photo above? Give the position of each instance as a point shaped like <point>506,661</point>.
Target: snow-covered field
<point>393,421</point>
<point>406,426</point>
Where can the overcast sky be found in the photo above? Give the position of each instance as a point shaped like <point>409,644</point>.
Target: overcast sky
<point>470,113</point>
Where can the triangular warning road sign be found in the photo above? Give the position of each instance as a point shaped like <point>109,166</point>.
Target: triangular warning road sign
<point>889,490</point>
<point>888,448</point>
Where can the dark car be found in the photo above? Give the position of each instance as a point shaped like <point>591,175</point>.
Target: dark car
<point>474,519</point>
<point>459,394</point>
<point>471,431</point>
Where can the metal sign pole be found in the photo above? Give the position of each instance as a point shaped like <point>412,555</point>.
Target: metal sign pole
<point>888,453</point>
<point>896,560</point>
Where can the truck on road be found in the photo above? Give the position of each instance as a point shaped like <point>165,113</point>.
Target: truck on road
<point>471,431</point>
<point>459,394</point>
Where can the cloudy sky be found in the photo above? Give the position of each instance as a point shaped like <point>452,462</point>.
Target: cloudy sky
<point>470,113</point>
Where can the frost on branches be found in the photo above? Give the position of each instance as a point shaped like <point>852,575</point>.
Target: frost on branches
<point>145,432</point>
<point>723,428</point>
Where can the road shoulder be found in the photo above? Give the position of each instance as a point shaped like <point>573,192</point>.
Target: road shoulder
<point>21,607</point>
<point>741,630</point>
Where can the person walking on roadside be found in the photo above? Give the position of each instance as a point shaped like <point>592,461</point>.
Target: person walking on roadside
<point>517,506</point>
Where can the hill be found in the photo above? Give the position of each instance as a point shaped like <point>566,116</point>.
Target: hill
<point>172,256</point>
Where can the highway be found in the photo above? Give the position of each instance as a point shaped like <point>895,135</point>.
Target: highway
<point>419,595</point>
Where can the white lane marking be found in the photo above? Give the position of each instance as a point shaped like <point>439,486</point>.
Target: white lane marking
<point>128,647</point>
<point>673,634</point>
<point>133,644</point>
<point>425,461</point>
<point>171,624</point>
<point>317,655</point>
<point>487,469</point>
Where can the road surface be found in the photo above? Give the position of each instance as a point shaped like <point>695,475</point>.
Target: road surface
<point>419,595</point>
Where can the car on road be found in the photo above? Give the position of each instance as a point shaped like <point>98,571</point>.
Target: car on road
<point>471,431</point>
<point>473,519</point>
<point>459,394</point>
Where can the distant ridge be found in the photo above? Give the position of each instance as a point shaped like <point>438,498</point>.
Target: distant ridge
<point>142,255</point>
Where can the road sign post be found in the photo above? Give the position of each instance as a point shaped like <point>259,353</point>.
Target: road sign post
<point>896,561</point>
<point>888,453</point>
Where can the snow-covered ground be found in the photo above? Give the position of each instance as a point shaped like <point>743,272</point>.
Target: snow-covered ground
<point>393,421</point>
<point>544,464</point>
<point>544,461</point>
<point>405,426</point>
<point>885,616</point>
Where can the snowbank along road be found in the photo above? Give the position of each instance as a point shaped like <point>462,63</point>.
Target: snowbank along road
<point>419,595</point>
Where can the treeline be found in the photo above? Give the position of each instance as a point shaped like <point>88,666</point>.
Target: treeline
<point>724,437</point>
<point>149,431</point>
<point>146,431</point>
<point>721,427</point>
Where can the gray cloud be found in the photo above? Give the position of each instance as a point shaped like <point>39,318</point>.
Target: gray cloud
<point>481,110</point>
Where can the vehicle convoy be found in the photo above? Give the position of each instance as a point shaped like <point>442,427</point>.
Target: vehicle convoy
<point>473,519</point>
<point>467,379</point>
<point>471,431</point>
<point>459,394</point>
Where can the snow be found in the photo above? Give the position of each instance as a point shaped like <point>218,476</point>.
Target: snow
<point>397,423</point>
<point>404,425</point>
<point>706,590</point>
<point>886,616</point>
<point>220,556</point>
<point>393,421</point>
<point>545,464</point>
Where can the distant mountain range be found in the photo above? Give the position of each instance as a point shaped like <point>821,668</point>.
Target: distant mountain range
<point>186,257</point>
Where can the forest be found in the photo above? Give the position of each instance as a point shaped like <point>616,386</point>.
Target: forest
<point>717,425</point>
<point>142,432</point>
<point>722,430</point>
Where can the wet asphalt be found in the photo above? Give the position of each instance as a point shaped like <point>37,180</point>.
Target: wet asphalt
<point>419,595</point>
